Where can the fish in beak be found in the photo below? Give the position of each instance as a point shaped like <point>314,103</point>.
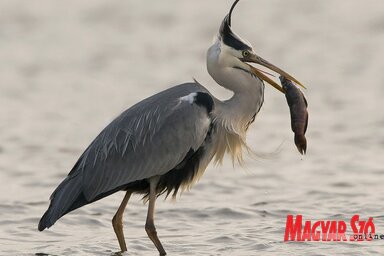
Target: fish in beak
<point>299,114</point>
<point>253,58</point>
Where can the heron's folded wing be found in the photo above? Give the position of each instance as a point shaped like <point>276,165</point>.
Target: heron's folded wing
<point>148,139</point>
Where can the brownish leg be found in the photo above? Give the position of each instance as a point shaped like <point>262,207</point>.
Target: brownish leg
<point>150,224</point>
<point>117,222</point>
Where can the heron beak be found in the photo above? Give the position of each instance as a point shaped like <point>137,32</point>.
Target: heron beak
<point>258,60</point>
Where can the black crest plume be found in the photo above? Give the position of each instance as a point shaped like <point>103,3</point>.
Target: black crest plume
<point>231,10</point>
<point>228,36</point>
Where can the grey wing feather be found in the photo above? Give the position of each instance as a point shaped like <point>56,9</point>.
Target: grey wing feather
<point>148,139</point>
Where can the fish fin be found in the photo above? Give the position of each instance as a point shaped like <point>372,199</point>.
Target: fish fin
<point>306,124</point>
<point>305,100</point>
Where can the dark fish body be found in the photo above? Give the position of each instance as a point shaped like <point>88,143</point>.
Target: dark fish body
<point>299,114</point>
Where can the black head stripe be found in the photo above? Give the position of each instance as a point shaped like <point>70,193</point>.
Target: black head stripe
<point>230,38</point>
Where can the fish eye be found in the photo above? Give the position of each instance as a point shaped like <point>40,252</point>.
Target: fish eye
<point>245,53</point>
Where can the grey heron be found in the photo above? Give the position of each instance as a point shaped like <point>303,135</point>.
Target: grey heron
<point>164,143</point>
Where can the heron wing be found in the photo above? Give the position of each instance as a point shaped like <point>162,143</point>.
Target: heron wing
<point>146,140</point>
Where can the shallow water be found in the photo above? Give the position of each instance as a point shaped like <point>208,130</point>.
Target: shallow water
<point>67,68</point>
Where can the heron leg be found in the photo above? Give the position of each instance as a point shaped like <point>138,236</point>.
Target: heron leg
<point>117,222</point>
<point>150,224</point>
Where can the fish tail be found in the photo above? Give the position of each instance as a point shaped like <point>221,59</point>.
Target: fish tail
<point>301,143</point>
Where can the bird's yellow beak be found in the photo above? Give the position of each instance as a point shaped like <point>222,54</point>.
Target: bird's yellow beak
<point>258,60</point>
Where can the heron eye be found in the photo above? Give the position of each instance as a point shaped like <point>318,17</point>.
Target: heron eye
<point>245,53</point>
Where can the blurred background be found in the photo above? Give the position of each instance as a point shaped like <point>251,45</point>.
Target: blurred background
<point>67,68</point>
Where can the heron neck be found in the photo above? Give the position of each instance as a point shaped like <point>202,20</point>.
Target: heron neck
<point>248,90</point>
<point>236,113</point>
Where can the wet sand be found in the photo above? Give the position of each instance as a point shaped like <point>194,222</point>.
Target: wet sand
<point>68,68</point>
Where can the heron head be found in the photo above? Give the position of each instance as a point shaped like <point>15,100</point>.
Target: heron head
<point>238,53</point>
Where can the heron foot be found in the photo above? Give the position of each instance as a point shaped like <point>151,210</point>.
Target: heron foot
<point>117,254</point>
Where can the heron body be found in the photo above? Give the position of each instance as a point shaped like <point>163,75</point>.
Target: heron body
<point>165,142</point>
